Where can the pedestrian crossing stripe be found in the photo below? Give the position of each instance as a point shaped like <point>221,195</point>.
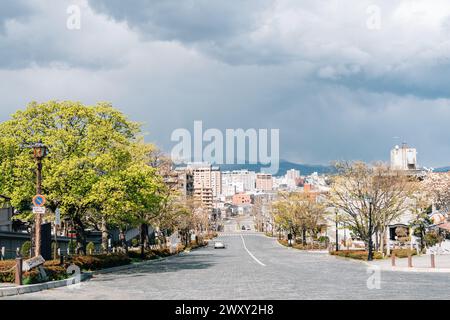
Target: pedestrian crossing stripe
<point>237,234</point>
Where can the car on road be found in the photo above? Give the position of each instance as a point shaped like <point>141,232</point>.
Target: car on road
<point>219,245</point>
<point>248,228</point>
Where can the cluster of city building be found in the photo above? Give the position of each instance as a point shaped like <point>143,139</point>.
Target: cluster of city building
<point>233,192</point>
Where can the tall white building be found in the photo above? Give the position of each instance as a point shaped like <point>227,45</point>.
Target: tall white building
<point>403,158</point>
<point>291,178</point>
<point>238,181</point>
<point>207,177</point>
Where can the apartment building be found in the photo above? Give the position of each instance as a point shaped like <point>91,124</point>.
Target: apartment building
<point>239,180</point>
<point>264,182</point>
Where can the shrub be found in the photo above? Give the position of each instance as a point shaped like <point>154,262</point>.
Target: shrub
<point>134,242</point>
<point>52,268</point>
<point>7,272</point>
<point>72,246</point>
<point>323,239</point>
<point>136,255</point>
<point>162,252</point>
<point>25,249</point>
<point>403,253</point>
<point>91,263</point>
<point>356,254</point>
<point>90,248</point>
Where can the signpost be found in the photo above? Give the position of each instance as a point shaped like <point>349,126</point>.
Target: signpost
<point>32,263</point>
<point>39,210</point>
<point>39,200</point>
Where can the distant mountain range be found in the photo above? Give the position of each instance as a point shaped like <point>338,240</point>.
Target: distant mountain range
<point>442,169</point>
<point>305,169</point>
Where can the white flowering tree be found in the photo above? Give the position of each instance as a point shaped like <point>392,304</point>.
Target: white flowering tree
<point>437,185</point>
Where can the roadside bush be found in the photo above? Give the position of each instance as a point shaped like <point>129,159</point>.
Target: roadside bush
<point>52,268</point>
<point>356,254</point>
<point>25,249</point>
<point>6,274</point>
<point>91,263</point>
<point>161,252</point>
<point>72,246</point>
<point>136,255</point>
<point>134,242</point>
<point>90,248</point>
<point>300,246</point>
<point>403,253</point>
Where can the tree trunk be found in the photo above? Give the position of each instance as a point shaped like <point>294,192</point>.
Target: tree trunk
<point>104,230</point>
<point>142,230</point>
<point>123,240</point>
<point>81,236</point>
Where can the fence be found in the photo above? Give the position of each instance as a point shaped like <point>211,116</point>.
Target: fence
<point>11,242</point>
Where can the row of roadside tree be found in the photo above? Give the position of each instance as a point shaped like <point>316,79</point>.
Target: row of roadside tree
<point>100,173</point>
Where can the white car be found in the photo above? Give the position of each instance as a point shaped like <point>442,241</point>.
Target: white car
<point>219,245</point>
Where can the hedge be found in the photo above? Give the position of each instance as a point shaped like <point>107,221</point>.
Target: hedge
<point>55,271</point>
<point>356,254</point>
<point>97,262</point>
<point>403,253</point>
<point>52,268</point>
<point>313,246</point>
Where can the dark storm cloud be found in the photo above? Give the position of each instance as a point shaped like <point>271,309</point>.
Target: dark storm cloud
<point>333,38</point>
<point>13,10</point>
<point>188,21</point>
<point>334,88</point>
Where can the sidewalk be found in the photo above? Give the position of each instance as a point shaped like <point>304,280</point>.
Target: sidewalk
<point>420,263</point>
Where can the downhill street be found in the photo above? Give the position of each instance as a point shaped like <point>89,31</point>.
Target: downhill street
<point>252,267</point>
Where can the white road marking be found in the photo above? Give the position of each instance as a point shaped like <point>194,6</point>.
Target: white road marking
<point>251,254</point>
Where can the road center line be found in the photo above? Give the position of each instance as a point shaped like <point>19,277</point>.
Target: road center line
<point>251,254</point>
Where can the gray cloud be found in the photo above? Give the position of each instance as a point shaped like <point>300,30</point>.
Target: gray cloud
<point>13,10</point>
<point>335,89</point>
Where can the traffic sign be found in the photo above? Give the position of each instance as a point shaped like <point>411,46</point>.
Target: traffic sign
<point>39,210</point>
<point>39,200</point>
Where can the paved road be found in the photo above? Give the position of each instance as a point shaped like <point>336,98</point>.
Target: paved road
<point>253,267</point>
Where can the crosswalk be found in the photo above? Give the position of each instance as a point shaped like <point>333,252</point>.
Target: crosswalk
<point>238,234</point>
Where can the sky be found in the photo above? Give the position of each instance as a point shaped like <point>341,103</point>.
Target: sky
<point>340,79</point>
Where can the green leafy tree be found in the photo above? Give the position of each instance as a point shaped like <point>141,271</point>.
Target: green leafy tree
<point>86,143</point>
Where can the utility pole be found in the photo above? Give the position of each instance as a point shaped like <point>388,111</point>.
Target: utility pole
<point>337,233</point>
<point>370,257</point>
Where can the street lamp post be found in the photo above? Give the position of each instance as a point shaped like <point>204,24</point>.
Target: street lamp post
<point>370,256</point>
<point>39,153</point>
<point>337,233</point>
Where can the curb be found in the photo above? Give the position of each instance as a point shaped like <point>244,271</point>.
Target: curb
<point>14,291</point>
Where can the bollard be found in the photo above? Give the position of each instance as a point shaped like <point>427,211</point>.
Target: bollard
<point>18,271</point>
<point>3,253</point>
<point>409,260</point>
<point>433,262</point>
<point>393,259</point>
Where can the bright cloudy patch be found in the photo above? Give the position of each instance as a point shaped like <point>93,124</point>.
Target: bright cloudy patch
<point>337,85</point>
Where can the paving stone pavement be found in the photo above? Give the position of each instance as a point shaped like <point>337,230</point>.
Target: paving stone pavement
<point>235,273</point>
